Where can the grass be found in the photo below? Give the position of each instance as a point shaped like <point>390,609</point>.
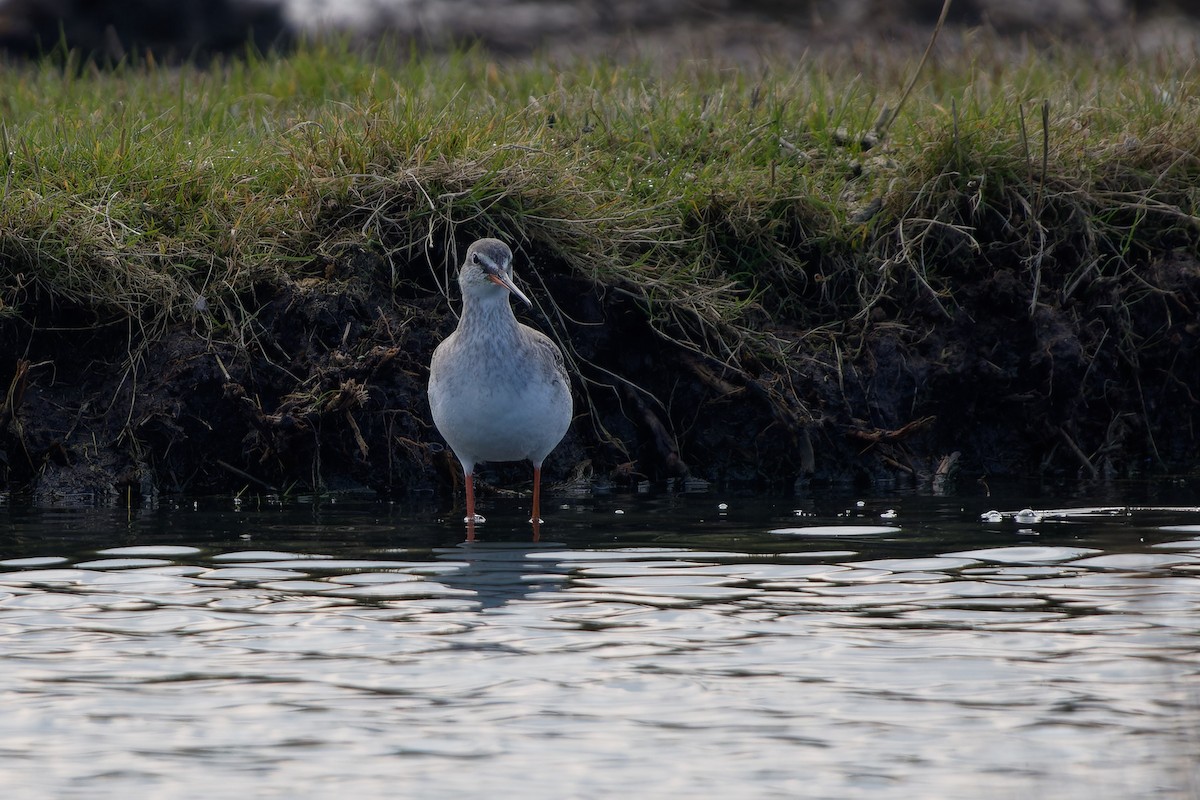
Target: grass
<point>727,201</point>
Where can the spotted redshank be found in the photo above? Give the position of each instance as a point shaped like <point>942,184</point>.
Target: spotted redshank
<point>498,389</point>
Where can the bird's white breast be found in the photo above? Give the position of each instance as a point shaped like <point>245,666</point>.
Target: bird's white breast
<point>502,396</point>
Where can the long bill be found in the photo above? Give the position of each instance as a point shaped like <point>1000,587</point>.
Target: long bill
<point>503,280</point>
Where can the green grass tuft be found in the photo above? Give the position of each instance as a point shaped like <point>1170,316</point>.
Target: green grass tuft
<point>724,199</point>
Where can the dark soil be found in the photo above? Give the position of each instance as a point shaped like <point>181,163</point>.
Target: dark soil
<point>329,393</point>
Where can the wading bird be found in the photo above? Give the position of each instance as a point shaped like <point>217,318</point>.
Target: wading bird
<point>498,389</point>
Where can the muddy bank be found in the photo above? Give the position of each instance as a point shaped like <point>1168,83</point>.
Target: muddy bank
<point>325,389</point>
<point>1076,360</point>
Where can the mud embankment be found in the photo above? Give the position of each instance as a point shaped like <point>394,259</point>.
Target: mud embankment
<point>321,385</point>
<point>325,388</point>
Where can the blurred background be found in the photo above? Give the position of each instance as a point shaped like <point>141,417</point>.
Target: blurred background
<point>740,30</point>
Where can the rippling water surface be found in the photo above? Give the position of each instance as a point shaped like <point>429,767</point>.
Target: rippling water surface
<point>693,645</point>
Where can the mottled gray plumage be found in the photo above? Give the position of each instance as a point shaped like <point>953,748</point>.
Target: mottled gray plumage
<point>498,390</point>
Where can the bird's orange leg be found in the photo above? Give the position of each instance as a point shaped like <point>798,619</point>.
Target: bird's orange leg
<point>470,479</point>
<point>536,518</point>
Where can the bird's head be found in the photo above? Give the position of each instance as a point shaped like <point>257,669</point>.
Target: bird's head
<point>487,271</point>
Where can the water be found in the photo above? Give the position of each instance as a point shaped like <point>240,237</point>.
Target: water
<point>649,646</point>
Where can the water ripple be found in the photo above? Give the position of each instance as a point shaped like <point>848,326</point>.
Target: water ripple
<point>751,663</point>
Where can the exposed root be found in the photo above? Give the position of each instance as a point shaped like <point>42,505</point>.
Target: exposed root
<point>876,436</point>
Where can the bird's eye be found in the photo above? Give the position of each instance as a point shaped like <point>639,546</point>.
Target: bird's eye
<point>475,259</point>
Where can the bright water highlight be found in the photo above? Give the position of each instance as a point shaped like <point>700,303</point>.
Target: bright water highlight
<point>767,649</point>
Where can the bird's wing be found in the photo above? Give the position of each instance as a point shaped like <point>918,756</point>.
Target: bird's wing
<point>549,352</point>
